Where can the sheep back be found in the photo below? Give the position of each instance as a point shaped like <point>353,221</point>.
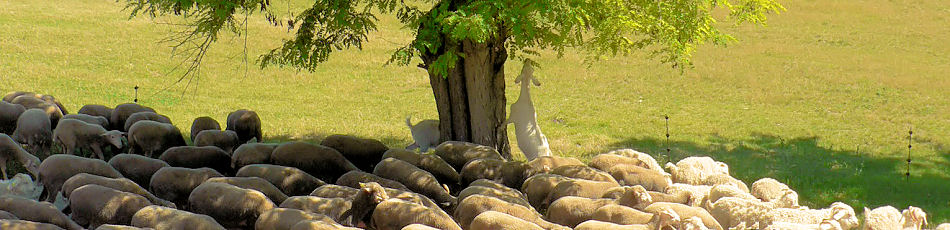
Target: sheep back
<point>317,160</point>
<point>137,168</point>
<point>122,112</point>
<point>251,153</point>
<point>176,184</point>
<point>201,124</point>
<point>198,157</point>
<point>290,180</point>
<point>363,152</point>
<point>31,210</point>
<point>94,205</point>
<point>159,217</point>
<point>458,153</point>
<point>230,205</point>
<point>354,178</point>
<point>254,183</point>
<point>247,125</point>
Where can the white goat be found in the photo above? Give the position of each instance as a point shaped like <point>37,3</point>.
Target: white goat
<point>425,134</point>
<point>530,139</point>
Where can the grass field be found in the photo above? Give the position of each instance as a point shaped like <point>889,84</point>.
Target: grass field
<point>822,98</point>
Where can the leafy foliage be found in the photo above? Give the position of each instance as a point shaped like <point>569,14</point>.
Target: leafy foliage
<point>668,30</point>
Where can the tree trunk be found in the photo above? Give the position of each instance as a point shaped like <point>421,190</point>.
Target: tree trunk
<point>471,99</point>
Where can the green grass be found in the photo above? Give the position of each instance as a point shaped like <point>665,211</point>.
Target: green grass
<point>821,99</point>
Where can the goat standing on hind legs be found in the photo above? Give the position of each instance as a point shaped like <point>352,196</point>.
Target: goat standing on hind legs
<point>530,139</point>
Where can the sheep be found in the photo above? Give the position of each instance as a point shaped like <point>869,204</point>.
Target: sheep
<point>545,164</point>
<point>363,152</point>
<point>393,214</point>
<point>887,217</point>
<point>416,179</point>
<point>246,123</point>
<point>334,191</point>
<point>175,183</point>
<point>538,187</point>
<point>664,219</point>
<point>571,210</point>
<point>4,215</point>
<point>56,169</point>
<point>9,113</point>
<point>120,184</point>
<point>323,162</point>
<point>226,140</point>
<point>94,205</point>
<point>363,203</point>
<point>230,205</point>
<point>33,128</point>
<point>21,185</point>
<point>97,110</point>
<point>458,153</point>
<point>482,168</point>
<point>31,210</point>
<point>583,172</point>
<point>137,168</point>
<point>442,170</point>
<point>255,183</point>
<point>914,218</point>
<point>76,134</point>
<point>122,112</point>
<point>696,193</point>
<point>731,212</point>
<point>604,161</point>
<point>197,157</point>
<point>145,116</point>
<point>290,180</point>
<point>695,170</point>
<point>159,217</point>
<point>645,160</point>
<point>837,211</point>
<point>251,153</point>
<point>53,112</point>
<point>943,226</point>
<point>10,97</point>
<point>492,220</point>
<point>320,225</point>
<point>531,141</point>
<point>418,227</point>
<point>630,175</point>
<point>511,196</point>
<point>720,191</point>
<point>824,225</point>
<point>425,134</point>
<point>119,227</point>
<point>354,178</point>
<point>201,124</point>
<point>11,150</point>
<point>473,205</point>
<point>619,214</point>
<point>6,224</point>
<point>685,211</point>
<point>95,120</point>
<point>151,137</point>
<point>579,188</point>
<point>718,179</point>
<point>286,218</point>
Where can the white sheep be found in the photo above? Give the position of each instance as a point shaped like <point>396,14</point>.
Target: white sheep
<point>425,134</point>
<point>943,226</point>
<point>887,217</point>
<point>769,189</point>
<point>645,160</point>
<point>826,224</point>
<point>530,139</point>
<point>837,211</point>
<point>695,170</point>
<point>732,211</point>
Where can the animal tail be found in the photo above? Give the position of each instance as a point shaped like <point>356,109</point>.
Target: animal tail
<point>409,121</point>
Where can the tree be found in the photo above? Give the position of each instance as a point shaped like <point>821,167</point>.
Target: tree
<point>464,44</point>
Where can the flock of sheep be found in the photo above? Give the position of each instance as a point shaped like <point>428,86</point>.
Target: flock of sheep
<point>229,179</point>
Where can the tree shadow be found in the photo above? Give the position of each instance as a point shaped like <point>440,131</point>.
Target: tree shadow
<point>315,138</point>
<point>820,175</point>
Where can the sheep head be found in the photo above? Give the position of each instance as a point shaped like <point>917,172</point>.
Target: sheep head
<point>844,214</point>
<point>914,217</point>
<point>635,197</point>
<point>113,137</point>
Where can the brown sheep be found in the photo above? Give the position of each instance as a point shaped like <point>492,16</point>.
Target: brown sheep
<point>509,195</point>
<point>76,134</point>
<point>458,153</point>
<point>56,169</point>
<point>9,113</point>
<point>251,153</point>
<point>571,210</point>
<point>33,128</point>
<point>482,168</point>
<point>623,215</point>
<point>631,175</point>
<point>247,124</point>
<point>120,184</point>
<point>150,137</point>
<point>286,218</point>
<point>51,110</point>
<point>583,172</point>
<point>198,157</point>
<point>31,210</point>
<point>363,203</point>
<point>6,224</point>
<point>93,205</point>
<point>97,110</point>
<point>320,225</point>
<point>255,183</point>
<point>473,205</point>
<point>145,116</point>
<point>230,205</point>
<point>394,214</point>
<point>122,112</point>
<point>442,170</point>
<point>545,164</point>
<point>317,160</point>
<point>604,161</point>
<point>11,150</point>
<point>175,184</point>
<point>331,207</point>
<point>538,187</point>
<point>119,227</point>
<point>290,180</point>
<point>95,120</point>
<point>492,220</point>
<point>416,179</point>
<point>9,97</point>
<point>363,152</point>
<point>4,215</point>
<point>159,217</point>
<point>227,140</point>
<point>580,188</point>
<point>334,191</point>
<point>354,178</point>
<point>201,124</point>
<point>137,168</point>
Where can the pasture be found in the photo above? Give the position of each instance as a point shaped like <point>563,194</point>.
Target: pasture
<point>821,99</point>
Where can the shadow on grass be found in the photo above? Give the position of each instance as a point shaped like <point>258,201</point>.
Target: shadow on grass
<point>819,174</point>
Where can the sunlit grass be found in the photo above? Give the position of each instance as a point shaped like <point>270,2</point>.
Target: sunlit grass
<point>821,98</point>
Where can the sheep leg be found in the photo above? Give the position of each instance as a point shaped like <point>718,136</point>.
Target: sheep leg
<point>98,150</point>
